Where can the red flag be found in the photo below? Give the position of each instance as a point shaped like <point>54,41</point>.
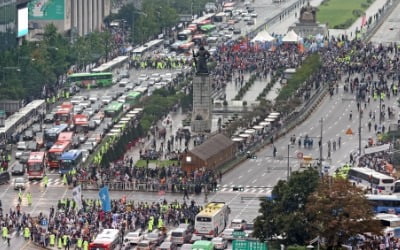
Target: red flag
<point>363,20</point>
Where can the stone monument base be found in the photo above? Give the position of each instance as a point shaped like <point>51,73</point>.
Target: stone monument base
<point>309,29</point>
<point>202,106</point>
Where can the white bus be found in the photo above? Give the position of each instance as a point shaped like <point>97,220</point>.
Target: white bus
<point>212,220</point>
<point>369,178</point>
<point>391,224</point>
<point>108,239</point>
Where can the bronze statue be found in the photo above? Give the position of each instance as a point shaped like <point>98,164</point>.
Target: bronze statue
<point>308,14</point>
<point>201,63</point>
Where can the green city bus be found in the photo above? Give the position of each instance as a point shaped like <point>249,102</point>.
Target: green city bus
<point>208,28</point>
<point>114,110</point>
<point>103,79</point>
<point>133,97</point>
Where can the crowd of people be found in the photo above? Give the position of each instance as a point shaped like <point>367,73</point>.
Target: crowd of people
<point>66,225</point>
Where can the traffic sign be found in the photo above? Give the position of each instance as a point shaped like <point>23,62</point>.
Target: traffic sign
<point>238,234</point>
<point>349,131</point>
<point>248,245</point>
<point>299,155</point>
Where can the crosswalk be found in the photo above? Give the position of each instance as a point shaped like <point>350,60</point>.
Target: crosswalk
<point>244,189</point>
<point>53,182</point>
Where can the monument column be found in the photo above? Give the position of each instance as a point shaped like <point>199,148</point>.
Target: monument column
<point>202,106</point>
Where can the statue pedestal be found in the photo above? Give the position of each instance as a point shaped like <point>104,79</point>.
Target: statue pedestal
<point>202,106</point>
<point>309,29</point>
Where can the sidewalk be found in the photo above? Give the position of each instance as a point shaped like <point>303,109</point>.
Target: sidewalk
<point>176,122</point>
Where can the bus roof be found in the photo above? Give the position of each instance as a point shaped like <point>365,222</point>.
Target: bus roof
<point>372,172</point>
<point>111,64</point>
<point>57,129</point>
<point>383,197</point>
<point>201,244</point>
<point>107,236</point>
<point>65,136</point>
<point>36,156</point>
<point>81,119</point>
<point>203,18</point>
<point>114,106</point>
<point>90,74</point>
<point>211,209</point>
<point>59,146</point>
<point>221,14</point>
<point>70,155</point>
<point>134,94</point>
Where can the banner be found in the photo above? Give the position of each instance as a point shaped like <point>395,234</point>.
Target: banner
<point>77,196</point>
<point>105,199</point>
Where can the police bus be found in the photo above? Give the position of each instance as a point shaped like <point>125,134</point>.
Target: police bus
<point>212,220</point>
<point>70,160</point>
<point>108,239</point>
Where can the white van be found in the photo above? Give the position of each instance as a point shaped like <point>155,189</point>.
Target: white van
<point>180,236</point>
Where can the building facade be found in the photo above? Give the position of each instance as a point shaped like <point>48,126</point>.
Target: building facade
<point>13,22</point>
<point>72,17</point>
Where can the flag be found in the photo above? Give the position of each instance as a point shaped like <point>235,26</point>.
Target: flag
<point>77,195</point>
<point>363,20</point>
<point>105,199</point>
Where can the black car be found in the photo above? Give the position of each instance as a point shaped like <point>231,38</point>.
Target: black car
<point>24,157</point>
<point>4,177</point>
<point>49,118</point>
<point>237,31</point>
<point>17,169</point>
<point>28,135</point>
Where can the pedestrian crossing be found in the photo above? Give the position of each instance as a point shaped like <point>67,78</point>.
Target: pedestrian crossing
<point>53,182</point>
<point>244,189</point>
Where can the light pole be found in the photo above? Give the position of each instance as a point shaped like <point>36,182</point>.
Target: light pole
<point>288,162</point>
<point>320,147</point>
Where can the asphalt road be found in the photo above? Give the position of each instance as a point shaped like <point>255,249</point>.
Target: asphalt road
<point>389,32</point>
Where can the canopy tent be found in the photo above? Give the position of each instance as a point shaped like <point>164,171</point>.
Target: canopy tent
<point>258,127</point>
<point>263,36</point>
<point>245,135</point>
<point>291,37</point>
<point>237,139</point>
<point>264,124</point>
<point>269,119</point>
<point>273,116</point>
<point>250,131</point>
<point>275,113</point>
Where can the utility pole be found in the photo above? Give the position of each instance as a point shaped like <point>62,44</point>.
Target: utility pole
<point>288,162</point>
<point>320,147</point>
<point>359,130</point>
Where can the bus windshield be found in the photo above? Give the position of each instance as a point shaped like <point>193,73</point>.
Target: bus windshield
<point>34,167</point>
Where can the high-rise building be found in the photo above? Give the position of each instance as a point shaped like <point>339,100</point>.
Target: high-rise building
<point>13,22</point>
<point>73,17</point>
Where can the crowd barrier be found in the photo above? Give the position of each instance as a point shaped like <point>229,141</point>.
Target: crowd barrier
<point>146,186</point>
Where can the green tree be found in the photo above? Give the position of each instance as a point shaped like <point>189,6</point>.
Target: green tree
<point>338,211</point>
<point>284,214</point>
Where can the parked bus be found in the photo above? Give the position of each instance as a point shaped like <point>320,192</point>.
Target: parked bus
<point>207,29</point>
<point>220,17</point>
<point>369,178</point>
<point>103,79</point>
<point>51,134</point>
<point>212,220</point>
<point>199,39</point>
<point>81,123</point>
<point>65,137</point>
<point>70,160</point>
<point>113,110</point>
<point>108,239</point>
<point>383,203</point>
<point>117,62</point>
<point>133,97</point>
<point>55,152</point>
<point>186,47</point>
<point>36,165</point>
<point>203,20</point>
<point>64,113</point>
<point>391,224</point>
<point>185,35</point>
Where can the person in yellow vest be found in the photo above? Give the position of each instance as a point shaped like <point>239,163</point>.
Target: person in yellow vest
<point>53,99</point>
<point>52,240</point>
<point>29,198</point>
<point>67,95</point>
<point>59,243</point>
<point>20,196</point>
<point>85,245</point>
<point>27,233</point>
<point>383,95</point>
<point>4,232</point>
<point>160,223</point>
<point>45,181</point>
<point>64,180</point>
<point>65,239</point>
<point>79,243</point>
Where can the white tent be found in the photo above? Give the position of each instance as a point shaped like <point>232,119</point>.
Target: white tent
<point>263,36</point>
<point>291,37</point>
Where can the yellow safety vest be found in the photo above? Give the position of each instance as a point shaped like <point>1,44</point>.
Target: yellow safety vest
<point>52,239</point>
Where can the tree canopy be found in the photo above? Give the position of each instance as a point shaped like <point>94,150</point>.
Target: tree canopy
<point>284,214</point>
<point>338,211</point>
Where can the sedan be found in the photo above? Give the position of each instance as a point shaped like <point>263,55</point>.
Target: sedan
<point>17,169</point>
<point>88,146</point>
<point>19,183</point>
<point>28,135</point>
<point>219,243</point>
<point>106,99</point>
